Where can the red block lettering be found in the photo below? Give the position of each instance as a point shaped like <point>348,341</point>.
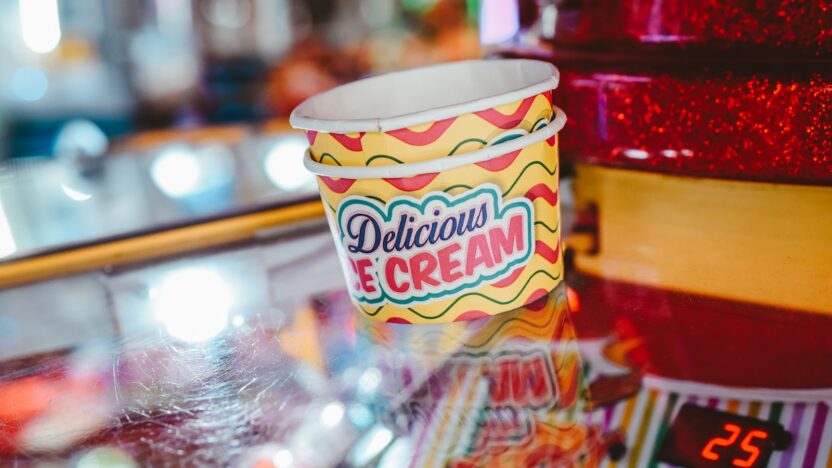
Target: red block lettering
<point>478,254</point>
<point>363,277</point>
<point>422,265</point>
<point>507,243</point>
<point>390,274</point>
<point>448,267</point>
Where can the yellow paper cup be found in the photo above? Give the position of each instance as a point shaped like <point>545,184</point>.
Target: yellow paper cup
<point>451,238</point>
<point>426,113</point>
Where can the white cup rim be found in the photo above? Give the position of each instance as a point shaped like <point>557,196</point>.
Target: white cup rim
<point>435,165</point>
<point>306,115</point>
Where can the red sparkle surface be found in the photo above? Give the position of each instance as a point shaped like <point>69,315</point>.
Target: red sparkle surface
<point>748,124</point>
<point>759,27</point>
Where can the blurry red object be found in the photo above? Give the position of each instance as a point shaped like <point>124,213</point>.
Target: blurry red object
<point>764,28</point>
<point>744,123</point>
<point>22,400</point>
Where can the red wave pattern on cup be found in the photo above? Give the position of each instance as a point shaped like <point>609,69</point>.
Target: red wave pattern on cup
<point>425,137</point>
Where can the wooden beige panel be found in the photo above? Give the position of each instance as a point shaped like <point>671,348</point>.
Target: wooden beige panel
<point>756,242</point>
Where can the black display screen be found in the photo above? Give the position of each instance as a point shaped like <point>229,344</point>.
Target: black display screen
<point>706,438</point>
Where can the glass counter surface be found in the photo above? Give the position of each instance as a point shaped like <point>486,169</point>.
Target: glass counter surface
<point>253,355</point>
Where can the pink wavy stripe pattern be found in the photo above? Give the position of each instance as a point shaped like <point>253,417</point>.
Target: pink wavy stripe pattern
<point>538,295</point>
<point>536,302</point>
<point>411,184</point>
<point>508,280</point>
<point>350,143</point>
<point>398,320</point>
<point>551,255</point>
<point>425,137</point>
<point>543,191</point>
<point>337,185</point>
<point>498,164</point>
<point>498,119</point>
<point>471,315</point>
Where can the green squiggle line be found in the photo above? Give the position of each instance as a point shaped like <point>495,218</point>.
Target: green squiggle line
<point>486,297</point>
<point>371,314</point>
<point>382,156</point>
<point>327,155</point>
<point>520,176</point>
<point>468,187</point>
<point>533,163</point>
<point>512,321</point>
<point>469,140</point>
<point>546,226</point>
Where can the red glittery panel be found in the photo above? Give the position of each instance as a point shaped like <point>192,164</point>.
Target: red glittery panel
<point>751,124</point>
<point>790,27</point>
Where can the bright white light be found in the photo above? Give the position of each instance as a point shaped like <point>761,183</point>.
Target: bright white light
<point>499,21</point>
<point>40,24</point>
<point>238,321</point>
<point>398,454</point>
<point>636,154</point>
<point>360,415</point>
<point>176,172</point>
<point>7,244</point>
<point>80,136</point>
<point>369,380</point>
<point>283,459</point>
<point>373,442</point>
<point>106,456</point>
<point>193,304</point>
<point>75,195</point>
<point>332,414</point>
<point>284,164</point>
<point>29,84</point>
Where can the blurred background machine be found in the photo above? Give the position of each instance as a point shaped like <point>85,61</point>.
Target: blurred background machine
<point>169,293</point>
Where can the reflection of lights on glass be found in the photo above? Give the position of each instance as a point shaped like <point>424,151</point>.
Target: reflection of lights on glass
<point>75,195</point>
<point>284,164</point>
<point>332,414</point>
<point>193,304</point>
<point>106,456</point>
<point>283,459</point>
<point>40,24</point>
<point>80,137</point>
<point>548,21</point>
<point>7,244</point>
<point>369,380</point>
<point>360,415</point>
<point>176,172</point>
<point>398,454</point>
<point>369,446</point>
<point>499,21</point>
<point>29,84</point>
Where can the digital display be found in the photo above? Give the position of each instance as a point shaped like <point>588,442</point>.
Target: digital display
<point>706,438</point>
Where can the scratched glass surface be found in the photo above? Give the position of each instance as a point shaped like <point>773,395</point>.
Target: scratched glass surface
<point>253,356</point>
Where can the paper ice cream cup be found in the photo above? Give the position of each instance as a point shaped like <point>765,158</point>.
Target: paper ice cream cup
<point>451,238</point>
<point>427,113</point>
